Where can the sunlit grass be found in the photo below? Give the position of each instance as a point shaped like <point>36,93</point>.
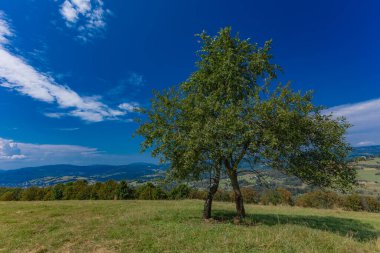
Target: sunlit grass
<point>176,226</point>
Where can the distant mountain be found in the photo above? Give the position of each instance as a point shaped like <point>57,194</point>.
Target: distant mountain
<point>62,173</point>
<point>366,151</point>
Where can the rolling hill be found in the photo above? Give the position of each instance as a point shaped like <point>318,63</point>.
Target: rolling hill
<point>62,173</point>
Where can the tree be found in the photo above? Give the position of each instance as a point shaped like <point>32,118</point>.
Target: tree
<point>229,110</point>
<point>124,191</point>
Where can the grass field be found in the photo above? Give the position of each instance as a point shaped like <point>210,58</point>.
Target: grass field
<point>369,176</point>
<point>175,226</point>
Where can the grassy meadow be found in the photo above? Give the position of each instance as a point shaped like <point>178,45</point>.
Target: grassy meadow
<point>176,226</point>
<point>369,176</point>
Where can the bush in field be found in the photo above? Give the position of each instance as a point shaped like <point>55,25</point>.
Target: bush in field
<point>250,195</point>
<point>222,195</point>
<point>48,194</point>
<point>95,190</point>
<point>181,191</point>
<point>319,199</point>
<point>277,197</point>
<point>271,197</point>
<point>7,196</point>
<point>197,194</point>
<point>32,193</point>
<point>356,202</point>
<point>108,190</point>
<point>286,196</point>
<point>373,205</point>
<point>124,191</point>
<point>81,190</point>
<point>150,192</point>
<point>58,192</point>
<point>10,194</point>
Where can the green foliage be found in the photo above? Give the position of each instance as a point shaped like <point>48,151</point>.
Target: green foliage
<point>230,109</point>
<point>32,193</point>
<point>356,202</point>
<point>250,195</point>
<point>111,190</point>
<point>58,192</point>
<point>7,196</point>
<point>150,192</point>
<point>326,199</point>
<point>124,191</point>
<point>319,199</point>
<point>181,191</point>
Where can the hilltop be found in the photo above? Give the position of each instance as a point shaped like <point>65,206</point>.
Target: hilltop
<point>176,226</point>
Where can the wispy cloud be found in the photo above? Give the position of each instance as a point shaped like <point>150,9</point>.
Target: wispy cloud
<point>86,16</point>
<point>5,30</point>
<point>129,107</point>
<point>15,155</point>
<point>16,74</point>
<point>9,150</point>
<point>131,85</point>
<point>135,79</point>
<point>365,118</point>
<point>68,129</point>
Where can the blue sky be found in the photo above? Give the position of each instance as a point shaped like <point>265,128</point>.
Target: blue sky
<point>71,71</point>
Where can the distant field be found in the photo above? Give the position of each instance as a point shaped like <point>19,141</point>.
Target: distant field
<point>369,176</point>
<point>175,226</point>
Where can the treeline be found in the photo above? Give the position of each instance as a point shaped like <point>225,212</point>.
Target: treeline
<point>112,190</point>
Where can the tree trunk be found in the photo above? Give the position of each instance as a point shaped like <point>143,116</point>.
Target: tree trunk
<point>211,192</point>
<point>238,196</point>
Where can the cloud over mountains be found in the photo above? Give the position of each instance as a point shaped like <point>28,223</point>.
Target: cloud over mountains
<point>365,120</point>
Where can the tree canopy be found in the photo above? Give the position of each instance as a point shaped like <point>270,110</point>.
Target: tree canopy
<point>231,109</point>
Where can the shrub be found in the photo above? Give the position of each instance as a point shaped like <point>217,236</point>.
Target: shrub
<point>286,196</point>
<point>181,191</point>
<point>319,199</point>
<point>356,202</point>
<point>7,196</point>
<point>222,195</point>
<point>32,193</point>
<point>250,195</point>
<point>150,192</point>
<point>124,191</point>
<point>58,192</point>
<point>271,197</point>
<point>197,194</point>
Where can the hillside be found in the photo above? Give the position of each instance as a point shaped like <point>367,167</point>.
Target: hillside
<point>53,174</point>
<point>176,226</point>
<point>142,172</point>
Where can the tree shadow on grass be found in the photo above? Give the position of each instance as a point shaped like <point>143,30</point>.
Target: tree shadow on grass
<point>360,231</point>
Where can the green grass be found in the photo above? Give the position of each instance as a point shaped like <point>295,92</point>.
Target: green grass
<point>176,226</point>
<point>368,177</point>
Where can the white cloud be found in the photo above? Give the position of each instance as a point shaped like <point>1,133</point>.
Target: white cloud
<point>5,30</point>
<point>9,150</point>
<point>15,155</point>
<point>16,74</point>
<point>87,16</point>
<point>365,118</point>
<point>129,107</point>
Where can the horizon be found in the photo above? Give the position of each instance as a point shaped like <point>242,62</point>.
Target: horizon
<point>72,72</point>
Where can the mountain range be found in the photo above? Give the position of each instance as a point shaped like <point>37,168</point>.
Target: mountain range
<point>63,173</point>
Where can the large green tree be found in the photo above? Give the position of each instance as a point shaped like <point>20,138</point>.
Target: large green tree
<point>229,110</point>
